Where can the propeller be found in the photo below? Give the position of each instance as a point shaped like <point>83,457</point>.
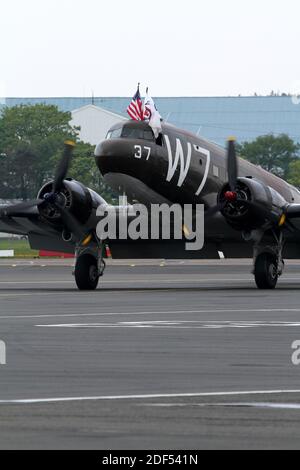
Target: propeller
<point>63,166</point>
<point>232,170</point>
<point>232,164</point>
<point>213,210</point>
<point>236,199</point>
<point>71,223</point>
<point>8,211</point>
<point>53,198</point>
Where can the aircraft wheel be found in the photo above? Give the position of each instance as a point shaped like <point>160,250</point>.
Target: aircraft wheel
<point>265,271</point>
<point>86,272</point>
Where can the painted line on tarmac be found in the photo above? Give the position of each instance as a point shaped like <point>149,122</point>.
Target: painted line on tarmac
<point>153,312</point>
<point>38,294</point>
<point>271,405</point>
<point>25,401</point>
<point>155,280</point>
<point>181,324</point>
<point>57,281</point>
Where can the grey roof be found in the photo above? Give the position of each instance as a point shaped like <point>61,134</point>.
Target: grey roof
<point>215,118</point>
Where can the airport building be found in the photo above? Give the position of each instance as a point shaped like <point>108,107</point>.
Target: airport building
<point>214,118</point>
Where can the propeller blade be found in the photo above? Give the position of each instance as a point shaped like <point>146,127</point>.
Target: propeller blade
<point>213,210</point>
<point>232,164</point>
<point>71,223</point>
<point>63,166</point>
<point>7,211</point>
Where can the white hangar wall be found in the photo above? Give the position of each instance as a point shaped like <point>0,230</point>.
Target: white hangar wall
<point>94,122</point>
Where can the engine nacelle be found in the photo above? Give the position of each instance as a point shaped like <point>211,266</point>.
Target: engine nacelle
<point>255,205</point>
<point>81,201</point>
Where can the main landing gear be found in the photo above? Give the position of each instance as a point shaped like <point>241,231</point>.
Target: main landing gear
<point>89,266</point>
<point>266,271</point>
<point>268,262</point>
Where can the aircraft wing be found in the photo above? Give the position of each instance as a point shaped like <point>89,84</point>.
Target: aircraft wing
<point>219,237</point>
<point>40,234</point>
<point>43,236</point>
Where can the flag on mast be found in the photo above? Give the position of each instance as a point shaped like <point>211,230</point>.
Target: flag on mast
<point>135,109</point>
<point>152,115</point>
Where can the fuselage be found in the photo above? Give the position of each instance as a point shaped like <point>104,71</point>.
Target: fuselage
<point>178,167</point>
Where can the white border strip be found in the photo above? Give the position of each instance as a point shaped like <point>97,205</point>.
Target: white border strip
<point>143,397</point>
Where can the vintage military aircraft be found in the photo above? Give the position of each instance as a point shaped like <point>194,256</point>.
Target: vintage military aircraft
<point>248,211</point>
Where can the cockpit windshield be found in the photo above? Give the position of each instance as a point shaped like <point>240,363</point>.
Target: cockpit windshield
<point>114,134</point>
<point>131,133</point>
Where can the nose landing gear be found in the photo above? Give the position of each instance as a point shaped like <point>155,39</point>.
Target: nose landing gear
<point>89,266</point>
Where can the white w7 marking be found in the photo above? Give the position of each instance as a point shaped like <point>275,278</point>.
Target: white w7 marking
<point>179,155</point>
<point>185,165</point>
<point>207,154</point>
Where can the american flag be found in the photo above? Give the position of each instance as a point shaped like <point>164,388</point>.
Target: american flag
<point>135,109</point>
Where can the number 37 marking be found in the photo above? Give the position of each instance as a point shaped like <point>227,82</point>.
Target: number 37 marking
<point>139,151</point>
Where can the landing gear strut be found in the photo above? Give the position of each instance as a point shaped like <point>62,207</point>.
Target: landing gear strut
<point>89,266</point>
<point>268,262</point>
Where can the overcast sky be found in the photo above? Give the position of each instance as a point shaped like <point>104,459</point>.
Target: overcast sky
<point>176,47</point>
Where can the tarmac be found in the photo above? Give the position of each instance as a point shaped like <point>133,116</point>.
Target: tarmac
<point>163,355</point>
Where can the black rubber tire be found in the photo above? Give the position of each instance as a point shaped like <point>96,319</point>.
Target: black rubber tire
<point>86,273</point>
<point>265,271</point>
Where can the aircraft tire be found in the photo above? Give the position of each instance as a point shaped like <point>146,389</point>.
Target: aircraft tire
<point>86,273</point>
<point>265,271</point>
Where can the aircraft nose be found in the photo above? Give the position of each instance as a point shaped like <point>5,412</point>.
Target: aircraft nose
<point>104,149</point>
<point>113,155</point>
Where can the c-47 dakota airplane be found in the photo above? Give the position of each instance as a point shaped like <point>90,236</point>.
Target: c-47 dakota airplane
<point>248,211</point>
